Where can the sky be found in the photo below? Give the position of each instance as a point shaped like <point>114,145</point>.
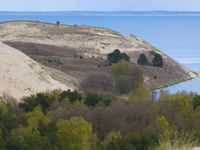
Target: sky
<point>99,5</point>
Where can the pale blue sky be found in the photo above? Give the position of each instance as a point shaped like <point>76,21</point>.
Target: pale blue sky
<point>100,5</point>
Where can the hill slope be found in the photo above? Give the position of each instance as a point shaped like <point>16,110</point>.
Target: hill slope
<point>21,76</point>
<point>46,42</point>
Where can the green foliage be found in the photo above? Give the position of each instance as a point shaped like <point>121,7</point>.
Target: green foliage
<point>111,142</point>
<point>126,76</point>
<point>196,102</point>
<point>93,99</point>
<point>26,138</point>
<point>74,134</point>
<point>116,56</point>
<point>142,60</point>
<point>42,99</point>
<point>1,141</point>
<point>132,141</point>
<point>72,95</point>
<point>135,122</point>
<point>168,131</point>
<point>157,60</point>
<point>45,100</point>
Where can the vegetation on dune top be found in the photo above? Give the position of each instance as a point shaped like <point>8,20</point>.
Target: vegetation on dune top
<point>116,56</point>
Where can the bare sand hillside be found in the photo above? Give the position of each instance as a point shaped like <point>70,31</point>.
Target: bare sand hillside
<point>89,40</point>
<point>21,76</point>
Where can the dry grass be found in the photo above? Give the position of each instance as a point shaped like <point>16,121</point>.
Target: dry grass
<point>183,142</point>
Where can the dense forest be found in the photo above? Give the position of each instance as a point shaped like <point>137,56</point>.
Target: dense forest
<point>66,121</point>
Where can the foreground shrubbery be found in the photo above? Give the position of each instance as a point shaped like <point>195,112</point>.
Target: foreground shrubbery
<point>64,121</point>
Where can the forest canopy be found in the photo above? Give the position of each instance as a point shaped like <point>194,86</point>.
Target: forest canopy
<point>52,121</point>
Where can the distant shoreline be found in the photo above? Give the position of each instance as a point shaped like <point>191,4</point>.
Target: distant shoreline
<point>104,13</point>
<point>176,83</point>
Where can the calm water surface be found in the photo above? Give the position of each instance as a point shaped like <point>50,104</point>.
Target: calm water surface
<point>177,36</point>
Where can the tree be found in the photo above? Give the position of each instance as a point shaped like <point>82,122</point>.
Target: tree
<point>1,141</point>
<point>142,60</point>
<point>157,60</point>
<point>74,134</point>
<point>111,141</point>
<point>126,76</point>
<point>43,99</point>
<point>116,56</point>
<point>72,95</point>
<point>196,102</point>
<point>25,138</point>
<point>58,23</point>
<point>93,99</point>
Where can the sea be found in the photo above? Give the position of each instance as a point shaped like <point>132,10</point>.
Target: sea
<point>176,36</point>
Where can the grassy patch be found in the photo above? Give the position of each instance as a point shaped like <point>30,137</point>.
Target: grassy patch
<point>172,84</point>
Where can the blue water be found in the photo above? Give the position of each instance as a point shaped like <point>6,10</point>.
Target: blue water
<point>177,36</point>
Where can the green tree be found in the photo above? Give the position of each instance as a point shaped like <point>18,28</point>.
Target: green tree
<point>72,95</point>
<point>111,141</point>
<point>1,141</point>
<point>116,56</point>
<point>74,134</point>
<point>196,102</point>
<point>43,99</point>
<point>142,60</point>
<point>157,60</point>
<point>25,138</point>
<point>93,99</point>
<point>126,76</point>
<point>29,137</point>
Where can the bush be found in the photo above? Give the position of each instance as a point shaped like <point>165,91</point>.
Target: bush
<point>157,60</point>
<point>72,95</point>
<point>126,76</point>
<point>46,99</point>
<point>42,99</point>
<point>93,99</point>
<point>97,80</point>
<point>116,56</point>
<point>196,102</point>
<point>142,60</point>
<point>58,22</point>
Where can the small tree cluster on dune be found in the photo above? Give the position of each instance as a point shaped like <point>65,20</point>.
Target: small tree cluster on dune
<point>156,62</point>
<point>116,56</point>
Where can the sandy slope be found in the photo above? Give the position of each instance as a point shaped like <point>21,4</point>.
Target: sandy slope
<point>89,40</point>
<point>21,76</point>
<point>95,42</point>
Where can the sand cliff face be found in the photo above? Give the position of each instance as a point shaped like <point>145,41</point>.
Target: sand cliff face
<point>21,76</point>
<point>94,43</point>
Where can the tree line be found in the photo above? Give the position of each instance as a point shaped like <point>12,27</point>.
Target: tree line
<point>65,120</point>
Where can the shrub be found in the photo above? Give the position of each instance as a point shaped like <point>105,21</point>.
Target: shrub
<point>72,95</point>
<point>116,56</point>
<point>58,22</point>
<point>93,99</point>
<point>196,102</point>
<point>126,76</point>
<point>157,60</point>
<point>97,80</point>
<point>142,60</point>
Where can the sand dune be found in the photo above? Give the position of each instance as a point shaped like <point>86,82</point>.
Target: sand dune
<point>89,42</point>
<point>21,76</point>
